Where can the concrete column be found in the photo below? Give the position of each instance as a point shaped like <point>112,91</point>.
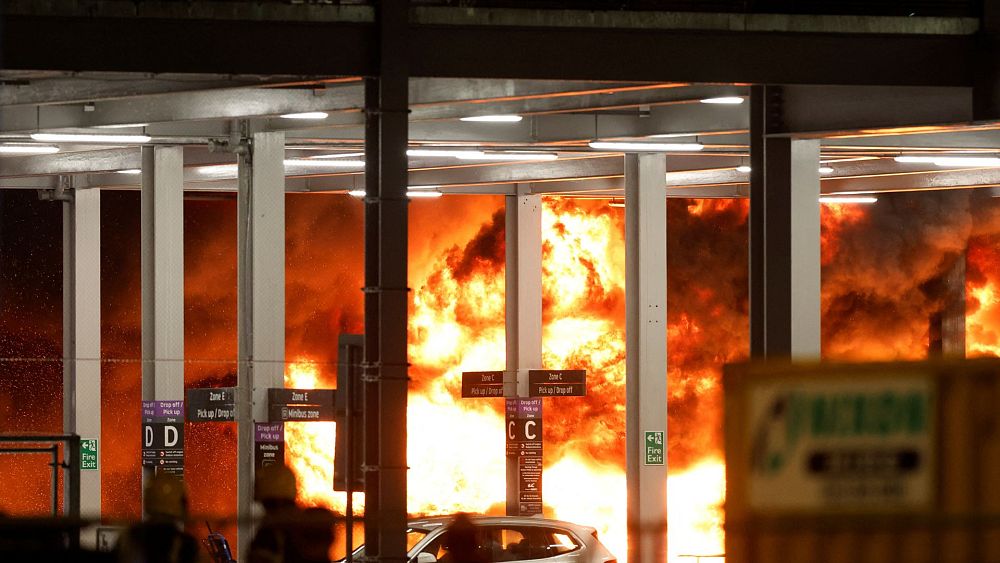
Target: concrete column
<point>82,335</point>
<point>645,353</point>
<point>162,241</point>
<point>523,296</point>
<point>784,239</point>
<point>261,302</point>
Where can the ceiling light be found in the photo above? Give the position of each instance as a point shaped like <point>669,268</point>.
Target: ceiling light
<point>28,149</point>
<point>454,153</point>
<point>311,163</point>
<point>306,115</point>
<point>510,156</point>
<point>338,155</point>
<point>423,194</point>
<point>825,170</point>
<point>356,193</point>
<point>494,118</point>
<point>839,199</point>
<point>743,168</point>
<point>728,100</point>
<point>132,171</point>
<point>951,161</point>
<point>121,126</point>
<point>672,135</point>
<point>89,138</point>
<point>422,187</point>
<point>616,203</point>
<point>648,147</point>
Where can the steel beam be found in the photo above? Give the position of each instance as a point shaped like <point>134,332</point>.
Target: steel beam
<point>260,236</point>
<point>645,354</point>
<point>784,238</point>
<point>82,336</point>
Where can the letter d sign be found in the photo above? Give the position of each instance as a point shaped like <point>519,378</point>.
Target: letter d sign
<point>169,436</point>
<point>147,436</point>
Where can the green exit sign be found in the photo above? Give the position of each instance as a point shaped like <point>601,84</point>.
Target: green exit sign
<point>654,447</point>
<point>88,455</point>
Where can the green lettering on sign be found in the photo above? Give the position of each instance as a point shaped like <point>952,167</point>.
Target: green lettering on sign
<point>654,447</point>
<point>88,455</point>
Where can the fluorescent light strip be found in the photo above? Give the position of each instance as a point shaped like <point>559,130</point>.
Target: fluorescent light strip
<point>131,171</point>
<point>424,194</point>
<point>743,168</point>
<point>945,161</point>
<point>839,199</point>
<point>306,115</point>
<point>510,156</point>
<point>493,118</point>
<point>453,153</point>
<point>356,193</point>
<point>89,138</point>
<point>122,126</point>
<point>324,163</point>
<point>650,147</point>
<point>825,170</point>
<point>428,187</point>
<point>28,149</point>
<point>337,155</point>
<point>725,100</point>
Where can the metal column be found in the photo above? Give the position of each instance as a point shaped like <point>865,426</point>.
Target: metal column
<point>162,217</point>
<point>523,295</point>
<point>387,539</point>
<point>784,236</point>
<point>260,302</point>
<point>82,336</point>
<point>645,353</point>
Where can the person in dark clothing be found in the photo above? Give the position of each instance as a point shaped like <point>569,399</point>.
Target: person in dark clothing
<point>462,542</point>
<point>288,533</point>
<point>161,537</point>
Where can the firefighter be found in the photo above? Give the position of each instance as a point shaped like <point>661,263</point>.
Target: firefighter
<point>287,533</point>
<point>161,537</point>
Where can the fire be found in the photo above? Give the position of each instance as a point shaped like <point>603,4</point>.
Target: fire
<point>982,298</point>
<point>456,447</point>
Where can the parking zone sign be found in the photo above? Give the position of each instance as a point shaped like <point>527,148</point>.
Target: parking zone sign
<point>88,455</point>
<point>654,447</point>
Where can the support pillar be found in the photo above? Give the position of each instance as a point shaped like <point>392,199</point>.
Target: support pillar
<point>260,303</point>
<point>784,236</point>
<point>162,243</point>
<point>947,330</point>
<point>523,296</point>
<point>82,336</point>
<point>645,354</point>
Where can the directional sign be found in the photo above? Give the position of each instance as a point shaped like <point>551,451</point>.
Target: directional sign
<point>524,456</point>
<point>301,405</point>
<point>88,455</point>
<point>269,444</point>
<point>163,436</point>
<point>654,447</point>
<point>211,404</point>
<point>480,384</point>
<point>557,383</point>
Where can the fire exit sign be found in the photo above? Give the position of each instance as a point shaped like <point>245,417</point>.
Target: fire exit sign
<point>88,455</point>
<point>654,447</point>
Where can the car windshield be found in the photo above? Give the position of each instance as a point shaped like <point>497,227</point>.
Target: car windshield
<point>413,537</point>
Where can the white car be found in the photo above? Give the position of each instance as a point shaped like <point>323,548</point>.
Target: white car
<point>508,538</point>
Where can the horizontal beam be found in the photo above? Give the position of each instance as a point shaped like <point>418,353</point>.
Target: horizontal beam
<point>36,40</point>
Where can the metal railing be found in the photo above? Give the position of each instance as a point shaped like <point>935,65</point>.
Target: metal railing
<point>70,464</point>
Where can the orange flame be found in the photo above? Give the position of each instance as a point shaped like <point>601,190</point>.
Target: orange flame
<point>456,447</point>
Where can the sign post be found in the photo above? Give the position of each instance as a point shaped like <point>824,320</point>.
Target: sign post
<point>524,427</point>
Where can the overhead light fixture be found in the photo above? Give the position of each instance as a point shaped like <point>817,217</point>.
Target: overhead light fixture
<point>509,156</point>
<point>428,187</point>
<point>672,135</point>
<point>306,115</point>
<point>616,203</point>
<point>646,147</point>
<point>337,155</point>
<point>89,138</point>
<point>423,194</point>
<point>825,170</point>
<point>726,100</point>
<point>852,199</point>
<point>493,118</point>
<point>945,161</point>
<point>28,149</point>
<point>743,168</point>
<point>356,193</point>
<point>132,171</point>
<point>312,163</point>
<point>121,126</point>
<point>453,153</point>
